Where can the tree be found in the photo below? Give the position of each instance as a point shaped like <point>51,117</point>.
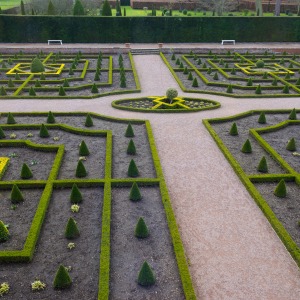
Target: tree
<point>258,8</point>
<point>277,8</point>
<point>106,9</point>
<point>78,9</point>
<point>51,9</point>
<point>118,9</point>
<point>22,8</point>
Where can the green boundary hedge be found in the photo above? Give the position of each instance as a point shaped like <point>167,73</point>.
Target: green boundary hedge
<point>248,181</point>
<point>81,29</point>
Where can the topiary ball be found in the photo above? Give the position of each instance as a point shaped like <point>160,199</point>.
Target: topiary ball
<point>260,63</point>
<point>171,93</point>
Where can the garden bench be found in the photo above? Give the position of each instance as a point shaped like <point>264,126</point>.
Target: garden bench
<point>54,42</point>
<point>228,41</point>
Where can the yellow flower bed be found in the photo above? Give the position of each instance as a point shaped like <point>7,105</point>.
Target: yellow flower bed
<point>3,165</point>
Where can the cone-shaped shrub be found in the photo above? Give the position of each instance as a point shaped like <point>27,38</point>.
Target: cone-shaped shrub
<point>181,65</point>
<point>288,76</point>
<point>76,196</point>
<point>50,118</point>
<point>233,130</point>
<point>286,89</point>
<point>62,278</point>
<point>293,115</point>
<point>274,82</point>
<point>173,57</point>
<point>42,77</point>
<point>249,82</point>
<point>97,76</point>
<point>129,131</point>
<point>199,61</point>
<point>131,150</point>
<point>83,149</point>
<point>216,77</point>
<point>233,72</point>
<point>247,147</point>
<point>71,231</point>
<point>185,70</point>
<point>2,134</point>
<point>26,172</point>
<point>4,233</point>
<point>44,131</point>
<point>37,66</point>
<point>10,119</point>
<point>10,83</point>
<point>258,89</point>
<point>80,170</point>
<point>16,195</point>
<point>195,82</point>
<point>17,76</point>
<point>32,92</point>
<point>37,83</point>
<point>66,83</point>
<point>229,89</point>
<point>122,82</point>
<point>146,276</point>
<point>265,76</point>
<point>71,72</point>
<point>262,118</point>
<point>177,61</point>
<point>94,89</point>
<point>141,229</point>
<point>135,194</point>
<point>297,82</point>
<point>291,146</point>
<point>204,66</point>
<point>3,91</point>
<point>190,77</point>
<point>61,91</point>
<point>132,169</point>
<point>209,71</point>
<point>280,190</point>
<point>262,166</point>
<point>88,121</point>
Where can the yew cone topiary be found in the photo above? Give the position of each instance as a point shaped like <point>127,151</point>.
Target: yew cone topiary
<point>37,83</point>
<point>291,146</point>
<point>280,190</point>
<point>247,147</point>
<point>146,276</point>
<point>10,83</point>
<point>88,121</point>
<point>262,166</point>
<point>26,172</point>
<point>141,229</point>
<point>195,82</point>
<point>258,90</point>
<point>94,89</point>
<point>44,131</point>
<point>229,89</point>
<point>66,83</point>
<point>216,77</point>
<point>129,131</point>
<point>16,195</point>
<point>286,89</point>
<point>3,91</point>
<point>190,77</point>
<point>42,77</point>
<point>83,149</point>
<point>71,231</point>
<point>37,66</point>
<point>10,119</point>
<point>50,118</point>
<point>76,196</point>
<point>233,129</point>
<point>2,134</point>
<point>62,278</point>
<point>4,233</point>
<point>262,118</point>
<point>131,148</point>
<point>80,170</point>
<point>293,115</point>
<point>132,169</point>
<point>61,91</point>
<point>274,82</point>
<point>32,91</point>
<point>135,194</point>
<point>249,82</point>
<point>185,70</point>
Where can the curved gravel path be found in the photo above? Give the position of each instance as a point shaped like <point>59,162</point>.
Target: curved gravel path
<point>232,249</point>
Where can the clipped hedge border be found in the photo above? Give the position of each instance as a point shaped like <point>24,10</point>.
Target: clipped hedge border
<point>247,180</point>
<point>26,254</point>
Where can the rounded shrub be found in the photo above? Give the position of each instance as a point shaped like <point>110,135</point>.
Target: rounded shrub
<point>262,166</point>
<point>131,150</point>
<point>62,278</point>
<point>132,169</point>
<point>44,131</point>
<point>129,131</point>
<point>260,63</point>
<point>262,118</point>
<point>83,149</point>
<point>141,229</point>
<point>291,146</point>
<point>146,276</point>
<point>247,148</point>
<point>26,172</point>
<point>135,194</point>
<point>16,195</point>
<point>75,196</point>
<point>4,233</point>
<point>37,66</point>
<point>233,129</point>
<point>171,93</point>
<point>88,121</point>
<point>280,190</point>
<point>80,170</point>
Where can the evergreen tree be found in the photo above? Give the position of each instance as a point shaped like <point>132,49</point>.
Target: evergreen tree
<point>88,121</point>
<point>146,276</point>
<point>233,129</point>
<point>247,147</point>
<point>293,115</point>
<point>76,196</point>
<point>32,91</point>
<point>118,9</point>
<point>141,229</point>
<point>37,83</point>
<point>2,134</point>
<point>78,9</point>
<point>10,119</point>
<point>129,131</point>
<point>44,131</point>
<point>26,172</point>
<point>229,89</point>
<point>71,231</point>
<point>61,91</point>
<point>262,118</point>
<point>37,66</point>
<point>4,233</point>
<point>3,91</point>
<point>51,9</point>
<point>195,82</point>
<point>22,8</point>
<point>258,89</point>
<point>50,118</point>
<point>94,89</point>
<point>106,9</point>
<point>132,169</point>
<point>66,83</point>
<point>135,194</point>
<point>10,83</point>
<point>131,150</point>
<point>291,146</point>
<point>280,190</point>
<point>62,278</point>
<point>16,195</point>
<point>83,149</point>
<point>262,166</point>
<point>249,82</point>
<point>80,170</point>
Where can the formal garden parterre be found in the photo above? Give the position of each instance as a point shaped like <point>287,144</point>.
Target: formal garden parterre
<point>66,75</point>
<point>85,211</point>
<point>262,147</point>
<point>236,74</point>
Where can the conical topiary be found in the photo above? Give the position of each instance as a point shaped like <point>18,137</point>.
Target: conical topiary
<point>249,82</point>
<point>190,77</point>
<point>10,83</point>
<point>132,169</point>
<point>233,129</point>
<point>80,170</point>
<point>141,229</point>
<point>71,231</point>
<point>291,146</point>
<point>83,149</point>
<point>10,119</point>
<point>88,121</point>
<point>262,118</point>
<point>17,76</point>
<point>216,77</point>
<point>229,89</point>
<point>293,115</point>
<point>62,278</point>
<point>135,194</point>
<point>274,82</point>
<point>26,172</point>
<point>131,148</point>
<point>185,70</point>
<point>37,66</point>
<point>288,76</point>
<point>50,118</point>
<point>4,233</point>
<point>258,89</point>
<point>37,83</point>
<point>66,83</point>
<point>71,72</point>
<point>247,147</point>
<point>44,131</point>
<point>146,276</point>
<point>3,91</point>
<point>32,92</point>
<point>16,195</point>
<point>233,71</point>
<point>94,89</point>
<point>97,76</point>
<point>195,82</point>
<point>280,190</point>
<point>262,166</point>
<point>286,89</point>
<point>61,91</point>
<point>42,77</point>
<point>76,196</point>
<point>129,131</point>
<point>2,134</point>
<point>298,81</point>
<point>265,76</point>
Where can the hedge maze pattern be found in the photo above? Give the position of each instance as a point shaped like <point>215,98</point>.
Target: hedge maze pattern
<point>237,74</point>
<point>92,152</point>
<point>263,148</point>
<point>67,75</point>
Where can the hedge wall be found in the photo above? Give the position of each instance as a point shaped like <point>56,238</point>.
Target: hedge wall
<point>38,29</point>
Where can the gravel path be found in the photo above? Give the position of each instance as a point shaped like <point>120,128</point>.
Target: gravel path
<point>232,250</point>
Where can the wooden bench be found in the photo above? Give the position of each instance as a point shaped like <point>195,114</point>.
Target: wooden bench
<point>54,42</point>
<point>228,41</point>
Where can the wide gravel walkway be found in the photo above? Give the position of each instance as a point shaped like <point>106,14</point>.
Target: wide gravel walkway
<point>232,250</point>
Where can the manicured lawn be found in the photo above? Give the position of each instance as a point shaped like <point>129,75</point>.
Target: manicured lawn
<point>5,4</point>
